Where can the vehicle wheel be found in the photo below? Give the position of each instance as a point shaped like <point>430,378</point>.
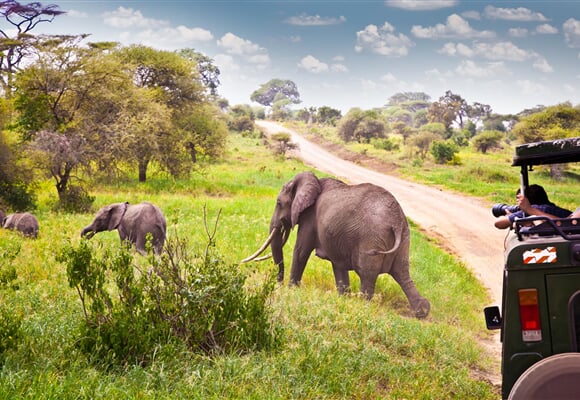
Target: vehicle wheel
<point>555,377</point>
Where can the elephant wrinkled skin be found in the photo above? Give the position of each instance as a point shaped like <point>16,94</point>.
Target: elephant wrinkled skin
<point>356,227</point>
<point>133,222</point>
<point>26,223</point>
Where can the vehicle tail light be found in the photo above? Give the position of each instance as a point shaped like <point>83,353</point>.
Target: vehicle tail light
<point>530,315</point>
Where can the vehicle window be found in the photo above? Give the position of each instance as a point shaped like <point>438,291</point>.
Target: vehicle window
<point>575,320</point>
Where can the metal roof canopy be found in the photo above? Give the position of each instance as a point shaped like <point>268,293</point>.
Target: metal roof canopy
<point>549,152</point>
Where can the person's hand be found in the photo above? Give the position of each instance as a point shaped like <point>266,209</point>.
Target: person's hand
<point>523,203</point>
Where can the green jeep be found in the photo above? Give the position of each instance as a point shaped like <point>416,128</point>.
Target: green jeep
<point>540,312</point>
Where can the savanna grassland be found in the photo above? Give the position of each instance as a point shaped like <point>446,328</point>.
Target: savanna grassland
<point>332,347</point>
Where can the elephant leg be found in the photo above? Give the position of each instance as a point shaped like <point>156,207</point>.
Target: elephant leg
<point>419,304</point>
<point>341,278</point>
<point>367,284</point>
<point>303,247</point>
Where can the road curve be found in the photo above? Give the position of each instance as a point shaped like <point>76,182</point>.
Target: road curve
<point>463,224</point>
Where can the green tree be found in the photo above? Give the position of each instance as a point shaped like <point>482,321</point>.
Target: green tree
<point>361,126</point>
<point>276,91</point>
<point>328,115</point>
<point>562,120</point>
<point>208,71</point>
<point>488,140</point>
<point>70,95</point>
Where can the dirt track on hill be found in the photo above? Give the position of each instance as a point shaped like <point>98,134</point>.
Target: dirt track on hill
<point>463,225</point>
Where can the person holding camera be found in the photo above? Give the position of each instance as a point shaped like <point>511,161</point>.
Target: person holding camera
<point>535,202</point>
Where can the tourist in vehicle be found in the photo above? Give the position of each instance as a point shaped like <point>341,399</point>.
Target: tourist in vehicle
<point>536,202</point>
<point>525,206</point>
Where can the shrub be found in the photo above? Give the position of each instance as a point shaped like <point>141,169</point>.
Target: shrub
<point>387,144</point>
<point>75,199</point>
<point>131,310</point>
<point>443,151</point>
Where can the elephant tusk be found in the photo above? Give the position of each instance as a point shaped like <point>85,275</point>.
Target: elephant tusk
<point>260,250</point>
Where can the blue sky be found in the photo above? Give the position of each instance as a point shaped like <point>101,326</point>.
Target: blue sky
<point>511,55</point>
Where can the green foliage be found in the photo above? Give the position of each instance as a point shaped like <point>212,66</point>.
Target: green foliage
<point>132,309</point>
<point>75,199</point>
<point>361,126</point>
<point>8,275</point>
<point>387,144</point>
<point>443,151</point>
<point>488,140</point>
<point>554,122</point>
<point>276,90</point>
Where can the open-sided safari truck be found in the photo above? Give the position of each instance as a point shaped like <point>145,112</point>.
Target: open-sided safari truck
<point>540,312</point>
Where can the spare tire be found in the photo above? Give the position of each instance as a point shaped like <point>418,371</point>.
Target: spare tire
<point>555,377</point>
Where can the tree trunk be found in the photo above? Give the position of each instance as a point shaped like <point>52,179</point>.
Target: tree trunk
<point>143,169</point>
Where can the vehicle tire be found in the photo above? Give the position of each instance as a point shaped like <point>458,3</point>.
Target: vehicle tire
<point>555,377</point>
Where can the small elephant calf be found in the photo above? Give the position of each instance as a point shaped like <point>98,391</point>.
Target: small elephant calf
<point>26,223</point>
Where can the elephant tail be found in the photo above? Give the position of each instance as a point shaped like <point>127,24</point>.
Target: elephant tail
<point>398,238</point>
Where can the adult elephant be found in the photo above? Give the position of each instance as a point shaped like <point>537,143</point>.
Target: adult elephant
<point>26,223</point>
<point>355,227</point>
<point>133,222</point>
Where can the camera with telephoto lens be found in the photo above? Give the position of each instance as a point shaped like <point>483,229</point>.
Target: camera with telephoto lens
<point>500,209</point>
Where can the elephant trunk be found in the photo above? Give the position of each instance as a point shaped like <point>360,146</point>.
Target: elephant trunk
<point>87,232</point>
<point>279,239</point>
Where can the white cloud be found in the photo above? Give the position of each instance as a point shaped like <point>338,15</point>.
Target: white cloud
<point>456,27</point>
<point>76,14</point>
<point>238,46</point>
<point>419,5</point>
<point>571,30</point>
<point>383,40</point>
<point>542,65</point>
<point>295,39</point>
<point>530,88</point>
<point>513,14</point>
<point>546,29</point>
<point>388,78</point>
<point>518,32</point>
<point>125,18</point>
<point>314,20</point>
<point>459,49</point>
<point>172,37</point>
<point>471,15</point>
<point>312,64</point>
<point>226,63</point>
<point>502,51</point>
<point>338,68</point>
<point>471,69</point>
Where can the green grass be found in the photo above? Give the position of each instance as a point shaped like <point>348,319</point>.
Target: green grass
<point>333,347</point>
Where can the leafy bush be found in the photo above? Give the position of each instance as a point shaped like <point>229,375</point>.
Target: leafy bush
<point>75,199</point>
<point>387,144</point>
<point>131,310</point>
<point>443,151</point>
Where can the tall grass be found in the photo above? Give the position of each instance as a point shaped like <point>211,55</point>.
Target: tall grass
<point>333,347</point>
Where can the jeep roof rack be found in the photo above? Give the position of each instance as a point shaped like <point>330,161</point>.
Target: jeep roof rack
<point>548,152</point>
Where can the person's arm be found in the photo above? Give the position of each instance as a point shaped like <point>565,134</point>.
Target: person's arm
<point>524,205</point>
<point>502,222</point>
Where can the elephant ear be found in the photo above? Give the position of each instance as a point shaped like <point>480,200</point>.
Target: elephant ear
<point>307,188</point>
<point>116,215</point>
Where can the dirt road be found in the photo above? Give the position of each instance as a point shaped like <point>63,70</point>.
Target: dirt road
<point>464,225</point>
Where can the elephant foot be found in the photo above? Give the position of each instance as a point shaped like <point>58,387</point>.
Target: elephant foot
<point>422,308</point>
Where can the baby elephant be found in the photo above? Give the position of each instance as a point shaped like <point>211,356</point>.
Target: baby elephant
<point>133,222</point>
<point>22,222</point>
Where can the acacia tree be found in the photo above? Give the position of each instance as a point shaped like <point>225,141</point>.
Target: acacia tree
<point>208,71</point>
<point>17,43</point>
<point>276,91</point>
<point>72,95</point>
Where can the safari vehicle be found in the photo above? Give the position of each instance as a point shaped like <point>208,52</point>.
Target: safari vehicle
<point>540,311</point>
